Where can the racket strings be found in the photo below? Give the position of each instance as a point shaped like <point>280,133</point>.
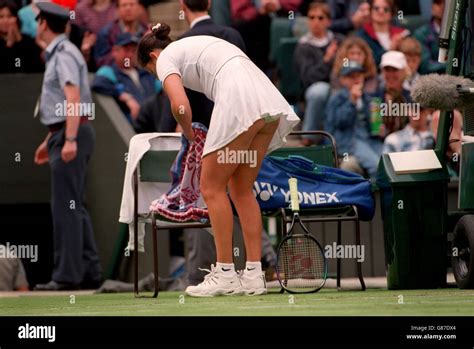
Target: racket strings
<point>301,263</point>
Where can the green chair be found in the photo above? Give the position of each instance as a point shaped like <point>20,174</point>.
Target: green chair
<point>324,154</point>
<point>290,85</point>
<point>279,28</point>
<point>220,12</point>
<point>413,22</point>
<point>154,167</point>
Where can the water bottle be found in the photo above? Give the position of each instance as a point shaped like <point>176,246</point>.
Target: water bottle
<point>375,116</point>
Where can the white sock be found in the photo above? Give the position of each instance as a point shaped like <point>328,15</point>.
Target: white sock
<point>253,268</point>
<point>227,269</point>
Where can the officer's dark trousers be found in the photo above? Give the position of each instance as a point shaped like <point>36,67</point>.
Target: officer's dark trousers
<point>75,252</point>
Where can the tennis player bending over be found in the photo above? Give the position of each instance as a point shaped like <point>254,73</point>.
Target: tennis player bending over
<point>249,115</point>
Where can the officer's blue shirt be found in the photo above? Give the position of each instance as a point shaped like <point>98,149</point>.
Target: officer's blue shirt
<point>64,65</point>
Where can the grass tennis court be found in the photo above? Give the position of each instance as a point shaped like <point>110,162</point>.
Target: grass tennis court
<point>327,302</point>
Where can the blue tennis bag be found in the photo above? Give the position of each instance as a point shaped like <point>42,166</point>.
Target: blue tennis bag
<point>318,186</point>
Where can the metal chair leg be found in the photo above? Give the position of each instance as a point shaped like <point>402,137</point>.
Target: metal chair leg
<point>283,233</point>
<point>135,233</point>
<point>155,255</point>
<point>359,264</point>
<point>339,228</point>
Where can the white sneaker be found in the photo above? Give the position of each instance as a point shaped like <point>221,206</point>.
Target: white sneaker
<point>216,284</point>
<point>253,285</point>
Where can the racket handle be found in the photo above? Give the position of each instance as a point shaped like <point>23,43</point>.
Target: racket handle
<point>295,204</point>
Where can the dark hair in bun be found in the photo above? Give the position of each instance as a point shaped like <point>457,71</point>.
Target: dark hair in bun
<point>158,38</point>
<point>161,31</point>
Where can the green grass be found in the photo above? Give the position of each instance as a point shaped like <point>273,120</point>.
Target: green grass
<point>327,302</point>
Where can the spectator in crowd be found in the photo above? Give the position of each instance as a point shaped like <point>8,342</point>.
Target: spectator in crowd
<point>348,15</point>
<point>391,92</point>
<point>29,25</point>
<point>355,49</point>
<point>379,33</point>
<point>348,119</point>
<point>18,53</point>
<point>428,35</point>
<point>28,13</point>
<point>92,16</point>
<point>27,16</point>
<point>313,59</point>
<point>416,135</point>
<point>253,18</point>
<point>130,86</point>
<point>69,4</point>
<point>129,13</point>
<point>411,48</point>
<point>12,274</point>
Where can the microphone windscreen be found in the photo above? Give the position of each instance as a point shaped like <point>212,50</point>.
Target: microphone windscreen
<point>440,92</point>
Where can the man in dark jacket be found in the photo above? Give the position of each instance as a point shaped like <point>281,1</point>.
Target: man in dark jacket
<point>196,13</point>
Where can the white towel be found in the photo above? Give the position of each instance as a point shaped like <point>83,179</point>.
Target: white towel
<point>147,191</point>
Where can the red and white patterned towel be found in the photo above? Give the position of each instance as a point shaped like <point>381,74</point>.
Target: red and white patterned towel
<point>179,204</point>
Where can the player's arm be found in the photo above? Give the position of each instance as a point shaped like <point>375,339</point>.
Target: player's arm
<point>180,106</point>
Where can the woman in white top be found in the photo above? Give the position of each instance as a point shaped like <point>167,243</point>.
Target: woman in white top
<point>250,117</point>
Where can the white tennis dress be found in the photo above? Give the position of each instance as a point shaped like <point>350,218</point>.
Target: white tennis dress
<point>241,92</point>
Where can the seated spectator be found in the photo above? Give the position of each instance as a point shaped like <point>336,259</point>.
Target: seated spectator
<point>411,48</point>
<point>92,16</point>
<point>18,53</point>
<point>130,86</point>
<point>348,120</point>
<point>313,59</point>
<point>379,33</point>
<point>416,135</point>
<point>29,25</point>
<point>12,274</point>
<point>27,16</point>
<point>128,21</point>
<point>348,15</point>
<point>391,92</point>
<point>428,36</point>
<point>70,4</point>
<point>252,19</point>
<point>355,49</point>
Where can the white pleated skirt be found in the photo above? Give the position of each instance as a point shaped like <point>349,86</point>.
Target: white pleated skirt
<point>243,94</point>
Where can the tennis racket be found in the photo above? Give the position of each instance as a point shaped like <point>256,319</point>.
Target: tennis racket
<point>301,265</point>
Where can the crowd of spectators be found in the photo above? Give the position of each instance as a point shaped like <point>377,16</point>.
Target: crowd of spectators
<point>353,55</point>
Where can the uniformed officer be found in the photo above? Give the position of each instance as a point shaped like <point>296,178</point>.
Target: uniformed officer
<point>65,108</point>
